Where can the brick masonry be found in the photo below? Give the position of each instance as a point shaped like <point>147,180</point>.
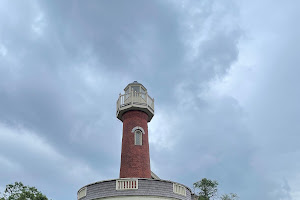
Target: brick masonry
<point>147,187</point>
<point>135,159</point>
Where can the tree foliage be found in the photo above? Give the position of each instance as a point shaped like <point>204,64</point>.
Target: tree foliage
<point>208,190</point>
<point>18,191</point>
<point>230,196</point>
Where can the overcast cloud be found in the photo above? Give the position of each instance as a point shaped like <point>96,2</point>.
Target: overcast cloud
<point>224,75</point>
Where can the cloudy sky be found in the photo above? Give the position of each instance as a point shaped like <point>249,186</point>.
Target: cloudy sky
<point>224,75</point>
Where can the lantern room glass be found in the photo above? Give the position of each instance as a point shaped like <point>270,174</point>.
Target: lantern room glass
<point>135,88</point>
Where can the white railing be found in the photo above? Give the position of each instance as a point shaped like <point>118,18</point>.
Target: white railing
<point>127,184</point>
<point>135,98</point>
<point>81,193</point>
<point>179,189</point>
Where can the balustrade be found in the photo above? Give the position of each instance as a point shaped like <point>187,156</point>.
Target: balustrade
<point>127,184</point>
<point>138,99</point>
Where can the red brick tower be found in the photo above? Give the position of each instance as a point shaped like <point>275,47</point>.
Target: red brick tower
<point>135,109</point>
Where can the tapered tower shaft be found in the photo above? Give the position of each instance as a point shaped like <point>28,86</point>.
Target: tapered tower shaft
<point>135,159</point>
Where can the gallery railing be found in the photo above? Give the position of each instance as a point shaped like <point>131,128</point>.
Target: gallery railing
<point>138,99</point>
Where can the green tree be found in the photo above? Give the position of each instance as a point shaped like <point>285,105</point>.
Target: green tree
<point>208,189</point>
<point>230,196</point>
<point>18,191</point>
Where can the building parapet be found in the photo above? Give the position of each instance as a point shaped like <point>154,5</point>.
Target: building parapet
<point>135,187</point>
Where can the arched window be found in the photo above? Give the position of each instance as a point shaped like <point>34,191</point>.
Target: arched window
<point>138,137</point>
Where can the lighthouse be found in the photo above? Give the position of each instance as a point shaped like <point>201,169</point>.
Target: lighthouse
<point>135,109</point>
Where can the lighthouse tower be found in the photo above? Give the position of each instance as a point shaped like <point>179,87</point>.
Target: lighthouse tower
<point>135,108</point>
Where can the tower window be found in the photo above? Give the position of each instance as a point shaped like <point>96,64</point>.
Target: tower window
<point>135,88</point>
<point>138,137</point>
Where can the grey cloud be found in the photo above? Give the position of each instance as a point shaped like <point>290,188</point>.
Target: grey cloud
<point>52,98</point>
<point>63,82</point>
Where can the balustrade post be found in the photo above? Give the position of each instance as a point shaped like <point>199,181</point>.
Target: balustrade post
<point>153,103</point>
<point>119,101</point>
<point>131,97</point>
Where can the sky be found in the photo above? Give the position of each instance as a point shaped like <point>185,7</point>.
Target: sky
<point>224,76</point>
